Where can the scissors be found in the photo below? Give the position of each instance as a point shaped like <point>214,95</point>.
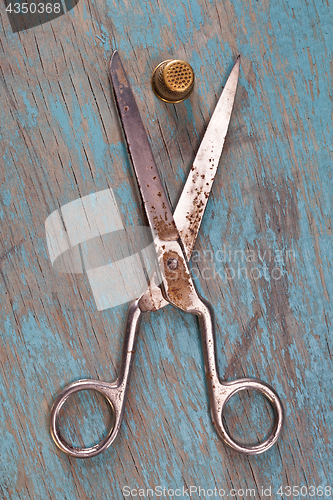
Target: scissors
<point>174,235</point>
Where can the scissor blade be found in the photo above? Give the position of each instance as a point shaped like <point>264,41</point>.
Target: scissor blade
<point>155,202</point>
<point>193,200</point>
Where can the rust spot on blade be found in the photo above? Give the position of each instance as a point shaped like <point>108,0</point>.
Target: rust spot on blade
<point>166,231</point>
<point>120,74</point>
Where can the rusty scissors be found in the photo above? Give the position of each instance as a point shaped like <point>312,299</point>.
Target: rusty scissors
<point>174,235</point>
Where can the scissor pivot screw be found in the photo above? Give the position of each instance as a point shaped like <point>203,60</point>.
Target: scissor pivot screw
<point>172,264</point>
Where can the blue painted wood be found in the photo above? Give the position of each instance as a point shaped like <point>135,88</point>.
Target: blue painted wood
<point>263,256</point>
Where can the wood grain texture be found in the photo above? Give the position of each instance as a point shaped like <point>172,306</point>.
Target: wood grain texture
<point>271,204</point>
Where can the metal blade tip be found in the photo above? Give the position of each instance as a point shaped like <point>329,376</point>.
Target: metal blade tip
<point>235,68</point>
<point>114,55</point>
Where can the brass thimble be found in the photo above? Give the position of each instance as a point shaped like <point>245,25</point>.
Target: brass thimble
<point>173,80</point>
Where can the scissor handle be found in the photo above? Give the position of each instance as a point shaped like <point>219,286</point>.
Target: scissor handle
<point>115,393</point>
<point>220,393</point>
<point>223,392</point>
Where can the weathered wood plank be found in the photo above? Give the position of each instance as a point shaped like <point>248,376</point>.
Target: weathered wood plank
<point>269,212</point>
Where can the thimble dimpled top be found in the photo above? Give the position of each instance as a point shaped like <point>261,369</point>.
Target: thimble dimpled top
<point>173,80</point>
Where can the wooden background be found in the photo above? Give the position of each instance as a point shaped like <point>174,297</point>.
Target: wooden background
<point>60,140</point>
